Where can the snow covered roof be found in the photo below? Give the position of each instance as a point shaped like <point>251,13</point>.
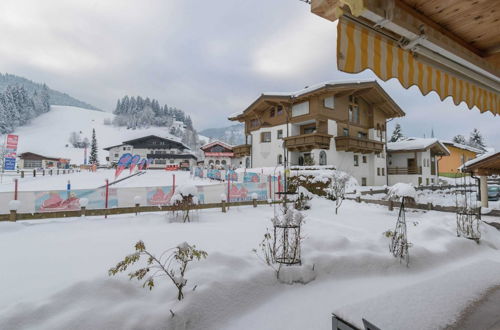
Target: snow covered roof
<point>489,162</point>
<point>415,144</point>
<point>463,146</point>
<point>314,87</point>
<point>208,145</point>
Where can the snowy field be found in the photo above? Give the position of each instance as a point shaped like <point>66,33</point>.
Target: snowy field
<point>54,273</point>
<point>91,180</point>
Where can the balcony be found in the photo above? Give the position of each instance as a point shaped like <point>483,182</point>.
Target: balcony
<point>307,142</point>
<point>352,144</point>
<point>242,150</point>
<point>403,170</point>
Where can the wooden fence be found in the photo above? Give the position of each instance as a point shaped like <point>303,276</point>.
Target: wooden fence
<point>14,216</point>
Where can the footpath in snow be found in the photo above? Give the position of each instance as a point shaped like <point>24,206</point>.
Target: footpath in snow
<point>54,273</point>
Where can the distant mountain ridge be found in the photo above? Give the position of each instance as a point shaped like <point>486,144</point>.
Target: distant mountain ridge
<point>55,97</point>
<point>233,134</point>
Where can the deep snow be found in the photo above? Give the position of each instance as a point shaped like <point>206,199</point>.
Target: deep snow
<point>54,273</point>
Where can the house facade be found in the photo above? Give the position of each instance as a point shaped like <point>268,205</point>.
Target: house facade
<point>415,160</point>
<point>219,154</point>
<point>341,124</point>
<point>459,155</point>
<point>30,160</point>
<point>158,150</point>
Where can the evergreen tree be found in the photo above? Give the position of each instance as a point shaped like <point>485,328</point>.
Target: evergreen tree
<point>476,140</point>
<point>93,150</point>
<point>397,135</point>
<point>460,139</point>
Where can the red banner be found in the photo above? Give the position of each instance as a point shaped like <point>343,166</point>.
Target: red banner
<point>12,141</point>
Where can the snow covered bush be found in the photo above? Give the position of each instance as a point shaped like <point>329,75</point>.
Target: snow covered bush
<point>336,190</point>
<point>183,202</point>
<point>171,263</point>
<point>401,190</point>
<point>283,245</point>
<point>302,202</point>
<point>316,184</point>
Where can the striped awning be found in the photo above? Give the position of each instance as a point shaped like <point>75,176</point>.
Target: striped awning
<point>360,47</point>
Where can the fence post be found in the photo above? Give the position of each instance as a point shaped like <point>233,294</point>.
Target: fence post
<point>106,202</point>
<point>34,173</point>
<point>223,206</point>
<point>82,211</point>
<point>68,189</point>
<point>57,172</point>
<point>22,174</point>
<point>391,205</point>
<point>15,189</point>
<point>254,201</point>
<point>173,184</point>
<point>228,190</point>
<point>358,199</point>
<point>429,206</point>
<point>43,172</point>
<point>13,215</point>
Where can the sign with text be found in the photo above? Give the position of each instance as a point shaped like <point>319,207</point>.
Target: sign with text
<point>9,160</point>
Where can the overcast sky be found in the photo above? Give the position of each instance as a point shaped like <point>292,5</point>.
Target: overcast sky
<point>209,58</point>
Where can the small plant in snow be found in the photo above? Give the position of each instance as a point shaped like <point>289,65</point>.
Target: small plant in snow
<point>171,263</point>
<point>336,190</point>
<point>183,202</point>
<point>283,245</point>
<point>302,202</point>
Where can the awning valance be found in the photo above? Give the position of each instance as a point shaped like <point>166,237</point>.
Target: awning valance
<point>360,47</point>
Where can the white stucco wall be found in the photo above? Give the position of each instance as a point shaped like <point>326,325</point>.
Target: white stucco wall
<point>266,153</point>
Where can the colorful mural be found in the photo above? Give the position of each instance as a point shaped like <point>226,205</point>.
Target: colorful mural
<point>159,195</point>
<point>232,175</point>
<point>62,200</point>
<point>251,177</point>
<point>244,191</point>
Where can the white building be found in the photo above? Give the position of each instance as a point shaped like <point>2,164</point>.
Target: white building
<point>219,154</point>
<point>159,151</point>
<point>341,124</point>
<point>415,160</point>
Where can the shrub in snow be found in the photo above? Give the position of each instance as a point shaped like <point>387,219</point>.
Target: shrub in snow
<point>336,190</point>
<point>302,202</point>
<point>183,202</point>
<point>316,184</point>
<point>283,245</point>
<point>14,205</point>
<point>171,263</point>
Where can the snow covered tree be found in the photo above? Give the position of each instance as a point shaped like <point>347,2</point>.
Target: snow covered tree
<point>93,150</point>
<point>397,135</point>
<point>74,139</point>
<point>460,139</point>
<point>476,140</point>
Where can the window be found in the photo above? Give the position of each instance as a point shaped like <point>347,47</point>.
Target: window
<point>432,180</point>
<point>217,162</point>
<point>362,135</point>
<point>383,171</point>
<point>117,155</point>
<point>363,181</point>
<point>309,130</point>
<point>364,159</point>
<point>280,159</point>
<point>378,171</point>
<point>300,109</point>
<point>32,163</point>
<point>247,162</point>
<point>346,131</point>
<point>322,157</point>
<point>353,109</point>
<point>280,134</point>
<point>211,161</point>
<point>329,102</point>
<point>419,180</point>
<point>171,161</point>
<point>223,162</point>
<point>427,181</point>
<point>272,112</point>
<point>265,137</point>
<point>356,160</point>
<point>124,148</point>
<point>279,110</point>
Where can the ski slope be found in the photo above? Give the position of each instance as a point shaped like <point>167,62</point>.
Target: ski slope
<point>49,133</point>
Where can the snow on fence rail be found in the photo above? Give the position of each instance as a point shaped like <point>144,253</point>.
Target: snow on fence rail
<point>241,189</point>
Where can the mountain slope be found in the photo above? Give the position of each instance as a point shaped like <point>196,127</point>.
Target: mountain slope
<point>56,97</point>
<point>233,134</point>
<point>49,133</point>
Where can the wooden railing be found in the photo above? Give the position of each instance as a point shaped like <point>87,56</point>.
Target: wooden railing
<point>403,170</point>
<point>307,142</point>
<point>348,143</point>
<point>242,150</point>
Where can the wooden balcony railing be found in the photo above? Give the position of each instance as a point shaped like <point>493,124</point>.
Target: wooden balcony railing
<point>403,170</point>
<point>352,144</point>
<point>307,142</point>
<point>242,150</point>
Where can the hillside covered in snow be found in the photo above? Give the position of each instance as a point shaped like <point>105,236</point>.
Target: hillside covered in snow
<point>49,134</point>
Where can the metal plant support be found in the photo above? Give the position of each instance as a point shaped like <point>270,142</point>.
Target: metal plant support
<point>468,216</point>
<point>399,241</point>
<point>286,238</point>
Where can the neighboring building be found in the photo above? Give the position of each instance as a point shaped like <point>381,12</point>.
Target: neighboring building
<point>218,153</point>
<point>30,160</point>
<point>459,154</point>
<point>482,167</point>
<point>342,124</point>
<point>160,151</point>
<point>415,160</point>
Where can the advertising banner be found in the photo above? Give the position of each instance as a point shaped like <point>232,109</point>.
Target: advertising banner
<point>123,162</point>
<point>62,200</point>
<point>134,161</point>
<point>10,155</point>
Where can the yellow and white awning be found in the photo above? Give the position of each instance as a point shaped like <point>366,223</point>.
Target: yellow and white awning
<point>360,47</point>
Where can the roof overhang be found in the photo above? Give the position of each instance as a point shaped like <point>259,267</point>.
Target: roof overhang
<point>452,48</point>
<point>484,165</point>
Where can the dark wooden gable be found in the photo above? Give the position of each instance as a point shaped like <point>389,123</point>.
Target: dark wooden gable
<point>155,142</point>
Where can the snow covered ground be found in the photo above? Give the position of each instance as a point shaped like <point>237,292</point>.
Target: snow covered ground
<point>49,133</point>
<point>91,180</point>
<point>54,272</point>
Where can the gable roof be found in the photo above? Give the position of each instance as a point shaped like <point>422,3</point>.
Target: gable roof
<point>216,142</point>
<point>489,164</point>
<point>379,95</point>
<point>463,146</point>
<point>178,144</point>
<point>25,155</point>
<point>418,144</point>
